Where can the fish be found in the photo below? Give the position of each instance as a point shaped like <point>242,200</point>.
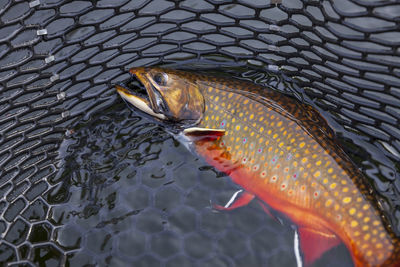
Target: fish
<point>279,151</point>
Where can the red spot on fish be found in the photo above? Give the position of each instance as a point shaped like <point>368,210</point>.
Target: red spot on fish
<point>294,175</point>
<point>283,186</point>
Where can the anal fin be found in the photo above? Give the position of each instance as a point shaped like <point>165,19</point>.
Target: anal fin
<point>234,203</point>
<point>314,243</point>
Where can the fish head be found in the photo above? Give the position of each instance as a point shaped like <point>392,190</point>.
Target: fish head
<point>170,95</point>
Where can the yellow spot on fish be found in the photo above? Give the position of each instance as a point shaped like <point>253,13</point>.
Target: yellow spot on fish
<point>304,160</point>
<point>246,101</point>
<point>275,136</point>
<point>281,144</point>
<point>352,211</point>
<point>365,207</point>
<point>366,237</point>
<point>327,163</point>
<point>206,118</point>
<point>261,129</point>
<point>346,200</point>
<point>376,223</point>
<point>379,245</point>
<point>365,227</point>
<point>346,189</point>
<point>325,181</point>
<point>302,144</point>
<point>229,96</point>
<point>251,116</point>
<point>317,174</point>
<point>318,163</point>
<point>366,219</point>
<point>330,170</point>
<point>233,120</point>
<point>332,186</point>
<point>237,127</point>
<point>353,223</point>
<point>328,202</point>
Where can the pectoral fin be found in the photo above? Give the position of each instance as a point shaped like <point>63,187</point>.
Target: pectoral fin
<point>203,133</point>
<point>314,243</point>
<point>234,203</point>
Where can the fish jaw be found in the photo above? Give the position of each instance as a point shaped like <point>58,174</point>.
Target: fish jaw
<point>139,102</point>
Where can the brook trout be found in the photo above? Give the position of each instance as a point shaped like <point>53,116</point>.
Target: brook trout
<point>279,151</point>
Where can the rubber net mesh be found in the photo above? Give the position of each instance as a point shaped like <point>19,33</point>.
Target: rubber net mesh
<point>60,59</point>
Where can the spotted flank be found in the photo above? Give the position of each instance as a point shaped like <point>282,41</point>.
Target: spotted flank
<point>270,146</point>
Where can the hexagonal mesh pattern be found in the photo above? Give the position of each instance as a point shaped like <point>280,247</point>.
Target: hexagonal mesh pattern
<point>58,61</point>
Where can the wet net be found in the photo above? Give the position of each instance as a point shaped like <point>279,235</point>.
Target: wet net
<point>60,59</point>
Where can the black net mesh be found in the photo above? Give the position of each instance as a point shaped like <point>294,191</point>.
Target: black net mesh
<point>59,60</point>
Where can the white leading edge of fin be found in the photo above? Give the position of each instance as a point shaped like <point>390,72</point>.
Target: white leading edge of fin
<point>205,130</point>
<point>297,249</point>
<point>232,198</point>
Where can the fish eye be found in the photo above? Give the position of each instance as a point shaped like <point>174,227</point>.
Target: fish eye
<point>160,78</point>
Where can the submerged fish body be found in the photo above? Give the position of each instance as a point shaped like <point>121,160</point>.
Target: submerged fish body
<point>281,152</point>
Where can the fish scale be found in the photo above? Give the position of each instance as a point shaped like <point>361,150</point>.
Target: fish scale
<point>280,151</point>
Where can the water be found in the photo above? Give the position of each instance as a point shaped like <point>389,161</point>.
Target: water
<point>128,193</point>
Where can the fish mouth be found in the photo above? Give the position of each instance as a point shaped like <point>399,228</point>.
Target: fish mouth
<point>142,94</point>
